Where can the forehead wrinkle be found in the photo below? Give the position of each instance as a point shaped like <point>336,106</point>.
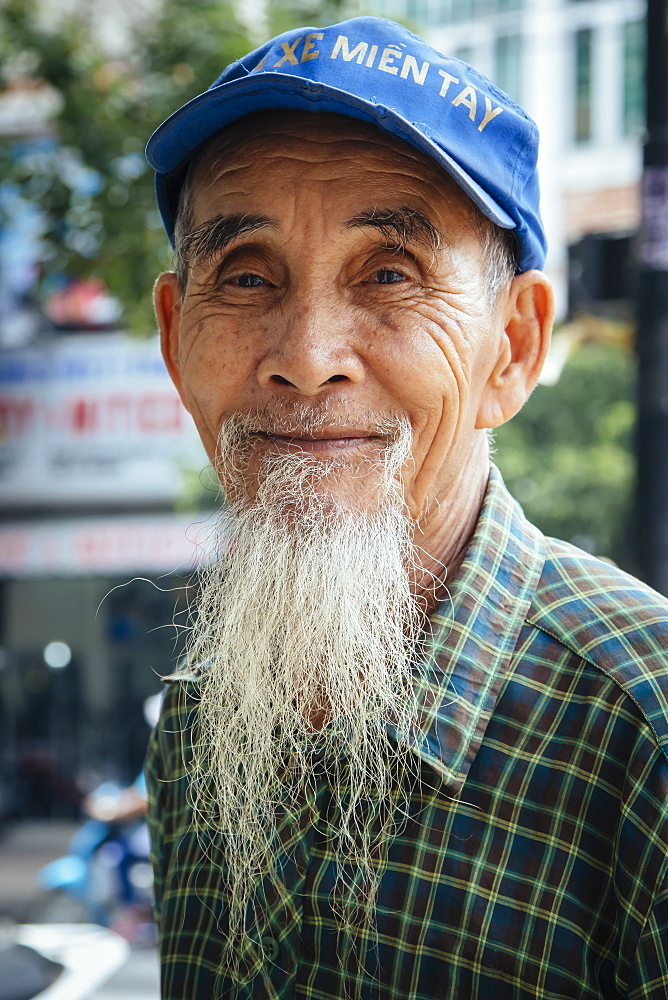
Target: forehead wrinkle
<point>304,136</point>
<point>307,142</point>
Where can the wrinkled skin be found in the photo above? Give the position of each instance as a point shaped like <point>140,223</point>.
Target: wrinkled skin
<point>312,309</point>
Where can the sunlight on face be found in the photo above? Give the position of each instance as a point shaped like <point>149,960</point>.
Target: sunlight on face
<point>333,264</point>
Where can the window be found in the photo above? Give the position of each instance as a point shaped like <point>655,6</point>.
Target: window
<point>465,53</point>
<point>583,87</point>
<point>634,78</point>
<point>417,12</point>
<point>462,10</point>
<point>600,270</point>
<point>441,12</point>
<point>456,11</point>
<point>508,65</point>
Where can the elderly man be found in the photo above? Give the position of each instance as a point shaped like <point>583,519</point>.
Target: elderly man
<point>418,749</point>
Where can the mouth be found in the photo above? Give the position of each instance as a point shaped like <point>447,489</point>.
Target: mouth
<point>328,441</point>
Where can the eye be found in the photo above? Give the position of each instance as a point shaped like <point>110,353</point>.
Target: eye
<point>249,281</point>
<point>388,277</point>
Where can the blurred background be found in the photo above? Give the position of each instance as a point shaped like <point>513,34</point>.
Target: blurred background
<point>104,489</point>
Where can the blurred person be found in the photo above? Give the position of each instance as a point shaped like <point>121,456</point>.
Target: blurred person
<point>111,803</point>
<point>418,749</point>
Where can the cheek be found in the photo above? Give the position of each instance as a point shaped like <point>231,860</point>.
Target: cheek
<point>428,360</point>
<point>433,374</point>
<point>217,362</point>
<point>216,365</point>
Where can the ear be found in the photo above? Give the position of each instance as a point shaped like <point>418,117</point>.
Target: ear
<point>528,315</point>
<point>167,306</point>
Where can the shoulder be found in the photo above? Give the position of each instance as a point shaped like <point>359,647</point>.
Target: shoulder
<point>169,747</point>
<point>610,619</point>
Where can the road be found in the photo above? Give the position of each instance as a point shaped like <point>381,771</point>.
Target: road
<point>24,849</point>
<point>137,980</point>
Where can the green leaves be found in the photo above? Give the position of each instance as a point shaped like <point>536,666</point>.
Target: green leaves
<point>567,457</point>
<point>86,169</point>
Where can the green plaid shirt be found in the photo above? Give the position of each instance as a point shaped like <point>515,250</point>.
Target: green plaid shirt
<point>534,862</point>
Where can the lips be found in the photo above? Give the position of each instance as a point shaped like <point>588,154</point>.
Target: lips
<point>329,435</point>
<point>321,441</point>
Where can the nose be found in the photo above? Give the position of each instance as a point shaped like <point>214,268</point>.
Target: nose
<point>311,350</point>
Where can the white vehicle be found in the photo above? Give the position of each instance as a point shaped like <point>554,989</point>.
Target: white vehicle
<point>58,961</point>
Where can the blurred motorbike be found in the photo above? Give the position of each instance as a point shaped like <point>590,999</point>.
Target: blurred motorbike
<point>106,876</point>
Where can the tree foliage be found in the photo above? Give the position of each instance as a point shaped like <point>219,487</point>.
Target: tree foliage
<point>285,14</point>
<point>567,456</point>
<point>90,179</point>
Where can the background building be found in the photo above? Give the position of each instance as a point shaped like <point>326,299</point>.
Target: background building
<point>95,452</point>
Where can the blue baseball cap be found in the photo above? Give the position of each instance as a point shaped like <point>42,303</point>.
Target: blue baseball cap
<point>377,71</point>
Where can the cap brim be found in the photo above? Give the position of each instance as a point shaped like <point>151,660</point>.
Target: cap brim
<point>175,141</point>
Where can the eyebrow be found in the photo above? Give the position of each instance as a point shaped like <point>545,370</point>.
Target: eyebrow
<point>400,226</point>
<point>213,236</point>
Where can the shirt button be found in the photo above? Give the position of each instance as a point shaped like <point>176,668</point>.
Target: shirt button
<point>269,947</point>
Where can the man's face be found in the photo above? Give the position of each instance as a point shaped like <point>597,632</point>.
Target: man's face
<point>338,269</point>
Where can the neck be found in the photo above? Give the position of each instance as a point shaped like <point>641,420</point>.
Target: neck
<point>444,533</point>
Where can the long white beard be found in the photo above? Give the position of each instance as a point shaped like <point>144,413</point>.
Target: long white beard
<point>308,615</point>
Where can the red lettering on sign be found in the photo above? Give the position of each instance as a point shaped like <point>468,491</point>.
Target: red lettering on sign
<point>159,414</point>
<point>14,549</point>
<point>119,412</point>
<point>16,415</point>
<point>125,413</point>
<point>84,416</point>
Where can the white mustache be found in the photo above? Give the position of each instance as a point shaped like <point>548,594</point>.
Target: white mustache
<point>304,420</point>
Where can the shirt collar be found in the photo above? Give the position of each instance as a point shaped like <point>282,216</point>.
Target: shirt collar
<point>473,634</point>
